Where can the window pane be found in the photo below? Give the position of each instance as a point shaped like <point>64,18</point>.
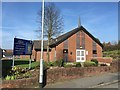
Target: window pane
<point>94,51</point>
<point>82,58</point>
<point>78,58</point>
<point>82,53</point>
<point>78,53</point>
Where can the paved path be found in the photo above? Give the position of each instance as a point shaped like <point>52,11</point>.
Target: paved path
<point>86,82</point>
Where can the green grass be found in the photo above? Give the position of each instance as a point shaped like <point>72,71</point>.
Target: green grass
<point>114,54</point>
<point>33,65</point>
<point>20,63</point>
<point>25,59</point>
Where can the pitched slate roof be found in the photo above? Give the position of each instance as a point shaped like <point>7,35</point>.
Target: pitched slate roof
<point>60,39</point>
<point>37,44</point>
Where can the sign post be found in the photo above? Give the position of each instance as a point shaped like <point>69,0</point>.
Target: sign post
<point>13,61</point>
<point>30,62</point>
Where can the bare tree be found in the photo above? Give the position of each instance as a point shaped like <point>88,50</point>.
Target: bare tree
<point>53,23</point>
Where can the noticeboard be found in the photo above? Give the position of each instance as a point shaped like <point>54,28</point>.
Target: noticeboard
<point>22,47</point>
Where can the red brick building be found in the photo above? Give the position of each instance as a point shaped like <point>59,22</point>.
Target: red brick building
<point>78,45</point>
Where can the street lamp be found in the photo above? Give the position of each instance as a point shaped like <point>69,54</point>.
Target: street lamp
<point>41,58</point>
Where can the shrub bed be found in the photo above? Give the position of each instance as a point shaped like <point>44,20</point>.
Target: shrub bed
<point>89,64</point>
<point>58,63</point>
<point>96,61</point>
<point>66,65</point>
<point>77,64</point>
<point>17,73</point>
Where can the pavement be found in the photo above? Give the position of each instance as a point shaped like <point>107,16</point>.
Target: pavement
<point>98,81</point>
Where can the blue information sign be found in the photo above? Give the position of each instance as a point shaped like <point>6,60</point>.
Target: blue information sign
<point>22,47</point>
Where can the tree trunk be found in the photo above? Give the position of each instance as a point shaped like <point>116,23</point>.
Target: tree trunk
<point>48,56</point>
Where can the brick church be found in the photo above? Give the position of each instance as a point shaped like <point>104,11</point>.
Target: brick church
<point>77,45</point>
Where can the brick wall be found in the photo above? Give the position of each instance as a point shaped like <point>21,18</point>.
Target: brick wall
<point>34,54</point>
<point>61,74</point>
<point>99,51</point>
<point>38,54</point>
<point>22,83</point>
<point>88,46</point>
<point>59,51</point>
<point>24,56</point>
<point>72,48</point>
<point>52,54</point>
<point>103,59</point>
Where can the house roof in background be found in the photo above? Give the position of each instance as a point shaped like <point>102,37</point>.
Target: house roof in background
<point>8,53</point>
<point>60,39</point>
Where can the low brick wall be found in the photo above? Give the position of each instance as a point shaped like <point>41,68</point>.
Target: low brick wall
<point>20,83</point>
<point>60,74</point>
<point>103,59</point>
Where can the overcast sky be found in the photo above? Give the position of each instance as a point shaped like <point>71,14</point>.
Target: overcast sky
<point>19,19</point>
